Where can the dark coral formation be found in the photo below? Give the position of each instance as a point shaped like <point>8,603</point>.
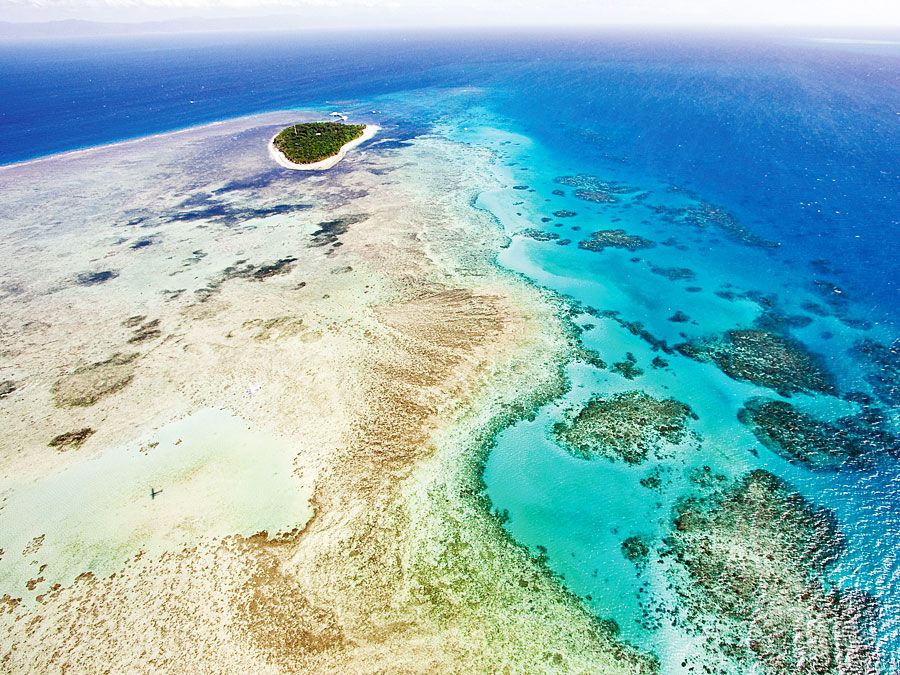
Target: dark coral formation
<point>756,553</point>
<point>565,213</point>
<point>7,387</point>
<point>95,278</point>
<point>596,196</point>
<point>627,426</point>
<point>882,369</point>
<point>328,232</point>
<point>615,239</point>
<point>679,317</point>
<point>636,328</point>
<point>627,368</point>
<point>537,235</point>
<point>145,331</point>
<point>776,322</point>
<point>674,273</point>
<point>242,269</point>
<point>705,216</point>
<point>71,440</point>
<point>86,385</point>
<point>636,550</point>
<point>594,188</point>
<point>766,359</point>
<point>273,269</point>
<point>204,206</point>
<point>800,438</point>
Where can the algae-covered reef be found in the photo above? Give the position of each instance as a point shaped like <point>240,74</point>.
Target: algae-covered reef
<point>851,441</point>
<point>314,141</point>
<point>627,426</point>
<point>755,556</point>
<point>763,358</point>
<point>88,384</point>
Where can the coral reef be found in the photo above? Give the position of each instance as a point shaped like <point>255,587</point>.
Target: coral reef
<point>626,426</point>
<point>763,358</point>
<point>627,368</point>
<point>883,369</point>
<point>7,387</point>
<point>71,440</point>
<point>755,554</point>
<point>538,235</point>
<point>818,444</point>
<point>636,550</point>
<point>95,278</point>
<point>88,384</point>
<point>602,239</point>
<point>674,273</point>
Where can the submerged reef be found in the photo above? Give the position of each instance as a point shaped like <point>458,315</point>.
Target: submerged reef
<point>755,554</point>
<point>594,188</point>
<point>95,278</point>
<point>7,387</point>
<point>328,232</point>
<point>763,358</point>
<point>707,216</point>
<point>674,273</point>
<point>537,235</point>
<point>242,269</point>
<point>203,206</point>
<point>602,239</point>
<point>626,426</point>
<point>627,367</point>
<point>883,369</point>
<point>636,550</point>
<point>596,196</point>
<point>86,385</point>
<point>71,440</point>
<point>802,439</point>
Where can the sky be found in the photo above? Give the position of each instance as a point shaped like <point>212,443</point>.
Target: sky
<point>445,13</point>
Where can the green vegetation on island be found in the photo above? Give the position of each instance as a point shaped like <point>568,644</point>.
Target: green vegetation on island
<point>314,141</point>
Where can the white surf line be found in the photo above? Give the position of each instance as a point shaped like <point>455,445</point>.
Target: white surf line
<point>326,163</point>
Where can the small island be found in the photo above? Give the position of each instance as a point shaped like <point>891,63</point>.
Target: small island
<point>317,145</point>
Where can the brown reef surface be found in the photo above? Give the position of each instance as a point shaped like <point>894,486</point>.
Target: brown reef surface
<point>358,316</point>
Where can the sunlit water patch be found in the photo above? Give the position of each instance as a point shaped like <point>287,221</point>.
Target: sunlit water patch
<point>208,475</point>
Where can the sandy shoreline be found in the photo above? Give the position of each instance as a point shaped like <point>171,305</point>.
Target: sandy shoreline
<point>276,154</point>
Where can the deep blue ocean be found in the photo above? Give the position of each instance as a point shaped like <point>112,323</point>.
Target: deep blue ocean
<point>798,140</point>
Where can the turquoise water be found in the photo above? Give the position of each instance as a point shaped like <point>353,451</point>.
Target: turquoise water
<point>578,512</point>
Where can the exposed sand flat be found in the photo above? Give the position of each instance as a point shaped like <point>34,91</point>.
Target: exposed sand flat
<point>354,319</point>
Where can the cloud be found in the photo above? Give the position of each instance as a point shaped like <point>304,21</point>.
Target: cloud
<point>494,12</point>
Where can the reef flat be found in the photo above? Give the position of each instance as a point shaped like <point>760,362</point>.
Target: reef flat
<point>356,326</point>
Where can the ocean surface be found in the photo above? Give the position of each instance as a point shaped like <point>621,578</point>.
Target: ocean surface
<point>760,176</point>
